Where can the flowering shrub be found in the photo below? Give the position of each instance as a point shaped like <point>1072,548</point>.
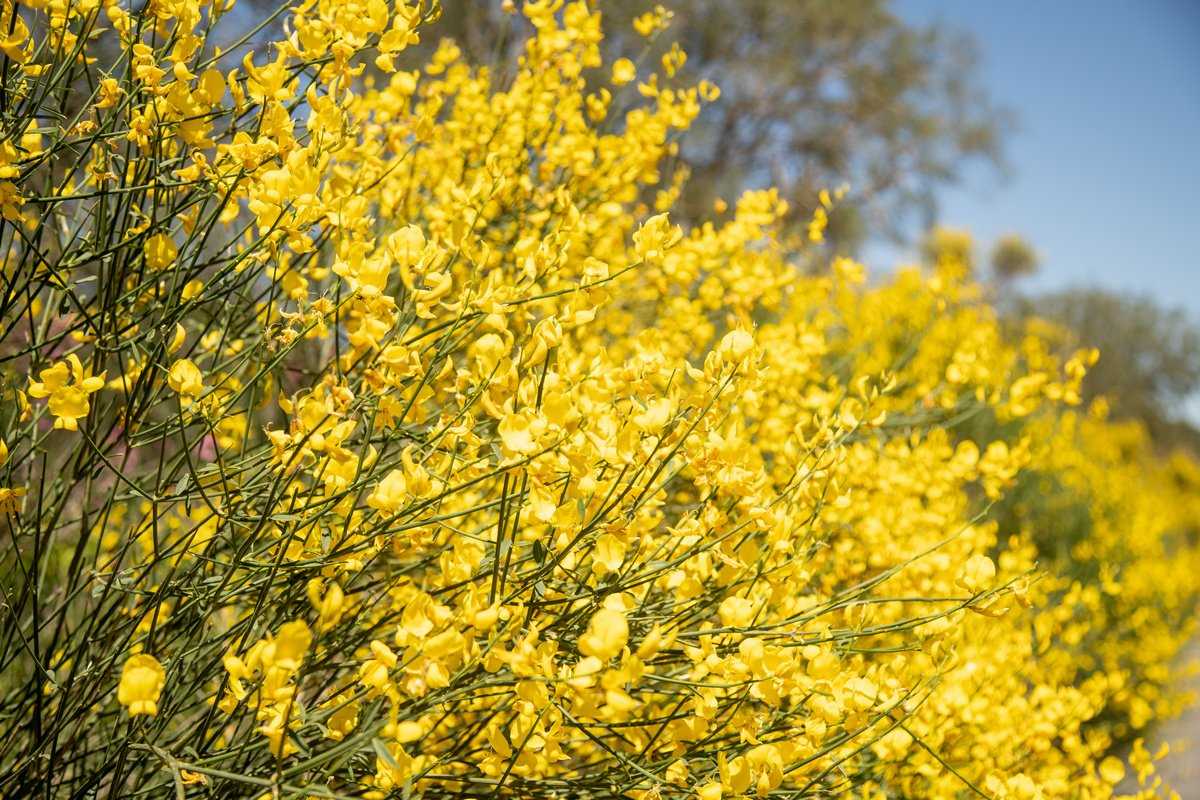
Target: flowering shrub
<point>374,433</point>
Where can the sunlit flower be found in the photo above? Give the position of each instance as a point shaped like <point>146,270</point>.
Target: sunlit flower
<point>142,681</point>
<point>68,399</point>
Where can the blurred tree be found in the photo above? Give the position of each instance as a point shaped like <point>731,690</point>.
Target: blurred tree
<point>942,246</point>
<point>1012,258</point>
<point>1149,356</point>
<point>815,94</point>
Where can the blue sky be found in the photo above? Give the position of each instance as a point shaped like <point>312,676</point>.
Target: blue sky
<point>1106,158</point>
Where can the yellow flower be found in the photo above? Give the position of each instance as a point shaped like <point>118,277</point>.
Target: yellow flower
<point>374,671</point>
<point>978,573</point>
<point>652,21</point>
<point>10,498</point>
<point>160,251</point>
<point>656,415</point>
<point>817,225</point>
<point>623,71</point>
<point>607,554</point>
<point>861,693</point>
<point>736,345</point>
<point>68,401</point>
<point>673,60</point>
<point>1112,770</point>
<point>289,647</point>
<point>607,633</point>
<point>485,618</point>
<point>110,93</point>
<point>186,379</point>
<point>178,339</point>
<point>342,721</point>
<point>391,493</point>
<point>408,731</point>
<point>736,612</point>
<point>516,433</point>
<point>329,603</point>
<point>142,680</point>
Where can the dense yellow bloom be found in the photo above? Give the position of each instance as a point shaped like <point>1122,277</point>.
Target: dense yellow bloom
<point>508,482</point>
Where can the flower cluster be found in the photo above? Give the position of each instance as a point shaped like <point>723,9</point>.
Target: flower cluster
<point>440,461</point>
